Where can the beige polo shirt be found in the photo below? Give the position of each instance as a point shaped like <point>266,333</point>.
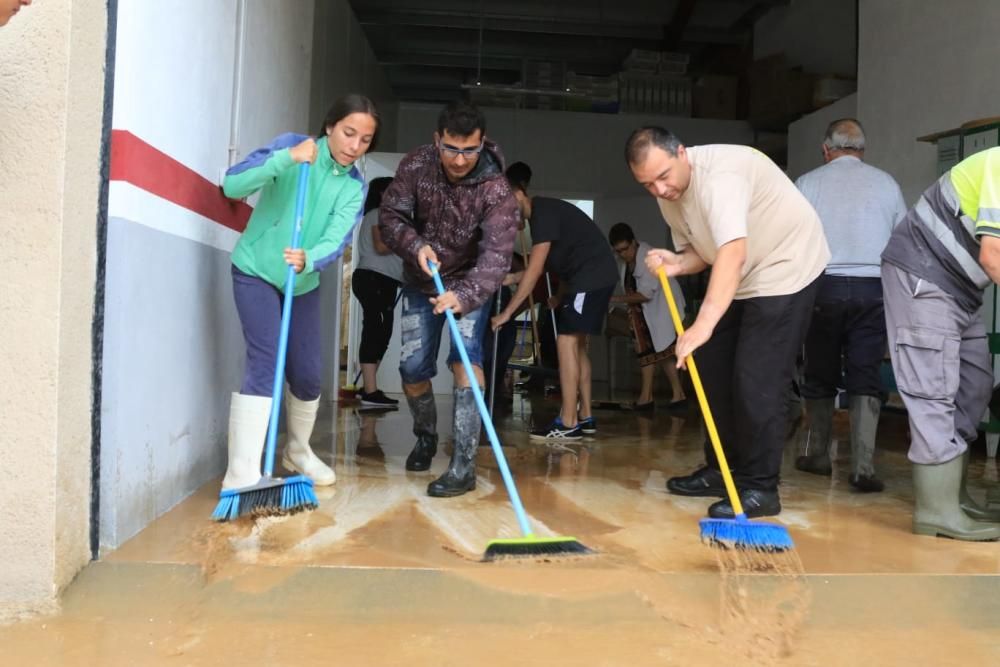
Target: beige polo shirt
<point>737,192</point>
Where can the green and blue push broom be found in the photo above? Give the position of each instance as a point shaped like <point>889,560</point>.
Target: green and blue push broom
<point>528,545</point>
<point>739,532</point>
<point>273,496</point>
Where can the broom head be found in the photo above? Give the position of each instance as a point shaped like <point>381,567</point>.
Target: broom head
<point>534,547</point>
<point>271,496</point>
<point>741,533</point>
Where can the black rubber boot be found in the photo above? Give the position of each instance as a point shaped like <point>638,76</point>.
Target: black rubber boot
<point>815,458</point>
<point>425,428</point>
<point>864,412</point>
<point>460,477</point>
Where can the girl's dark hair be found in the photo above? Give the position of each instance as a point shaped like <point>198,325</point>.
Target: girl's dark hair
<point>345,106</point>
<point>376,189</point>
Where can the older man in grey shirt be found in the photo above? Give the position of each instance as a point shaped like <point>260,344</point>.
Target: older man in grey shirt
<point>858,205</point>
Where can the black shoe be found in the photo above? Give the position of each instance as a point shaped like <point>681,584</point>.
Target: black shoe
<point>449,484</point>
<point>818,464</point>
<point>678,406</point>
<point>644,407</point>
<point>419,459</point>
<point>866,483</point>
<point>756,503</point>
<point>557,431</point>
<point>377,399</point>
<point>588,425</point>
<point>704,481</point>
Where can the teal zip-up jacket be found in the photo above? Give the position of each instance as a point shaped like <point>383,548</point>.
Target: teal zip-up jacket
<point>333,207</point>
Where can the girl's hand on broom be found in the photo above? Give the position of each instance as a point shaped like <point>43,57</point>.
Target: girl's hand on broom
<point>296,258</point>
<point>693,338</point>
<point>304,152</point>
<point>447,301</point>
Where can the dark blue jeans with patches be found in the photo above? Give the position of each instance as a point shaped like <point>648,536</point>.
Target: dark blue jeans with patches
<point>421,336</point>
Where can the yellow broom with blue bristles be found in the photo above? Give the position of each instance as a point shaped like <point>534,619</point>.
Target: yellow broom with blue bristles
<point>739,532</point>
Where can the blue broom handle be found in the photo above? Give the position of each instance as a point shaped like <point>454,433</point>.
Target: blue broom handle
<point>286,320</point>
<point>508,480</point>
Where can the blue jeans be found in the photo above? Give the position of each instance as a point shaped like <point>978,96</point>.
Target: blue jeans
<point>421,336</point>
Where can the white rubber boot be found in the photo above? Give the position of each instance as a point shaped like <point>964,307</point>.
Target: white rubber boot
<point>300,417</point>
<point>248,417</point>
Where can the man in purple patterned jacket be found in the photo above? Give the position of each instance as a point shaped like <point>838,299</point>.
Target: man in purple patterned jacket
<point>449,204</point>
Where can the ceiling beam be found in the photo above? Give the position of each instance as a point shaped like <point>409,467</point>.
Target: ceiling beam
<point>508,23</point>
<point>673,31</point>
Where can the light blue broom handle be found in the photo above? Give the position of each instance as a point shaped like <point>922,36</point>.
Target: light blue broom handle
<point>286,320</point>
<point>508,480</point>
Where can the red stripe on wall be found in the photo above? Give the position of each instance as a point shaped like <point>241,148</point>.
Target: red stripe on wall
<point>136,162</point>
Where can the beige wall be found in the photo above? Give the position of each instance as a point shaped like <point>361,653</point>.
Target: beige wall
<point>51,66</point>
<point>923,67</point>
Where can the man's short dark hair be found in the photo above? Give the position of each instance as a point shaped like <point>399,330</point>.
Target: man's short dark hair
<point>519,176</point>
<point>620,232</point>
<point>639,142</point>
<point>460,119</point>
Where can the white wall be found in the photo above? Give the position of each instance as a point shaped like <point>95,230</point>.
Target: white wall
<point>924,67</point>
<point>173,348</point>
<point>813,34</point>
<point>806,135</point>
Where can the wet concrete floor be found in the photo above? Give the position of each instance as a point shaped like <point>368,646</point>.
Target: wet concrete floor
<point>381,574</point>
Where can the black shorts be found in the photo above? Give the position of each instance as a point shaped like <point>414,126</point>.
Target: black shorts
<point>584,312</point>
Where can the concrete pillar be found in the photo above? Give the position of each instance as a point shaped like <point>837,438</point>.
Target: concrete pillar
<point>52,60</point>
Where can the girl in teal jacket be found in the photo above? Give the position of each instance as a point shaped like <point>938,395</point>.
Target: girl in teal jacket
<point>335,195</point>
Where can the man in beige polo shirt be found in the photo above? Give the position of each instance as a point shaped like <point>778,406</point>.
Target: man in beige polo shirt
<point>731,208</point>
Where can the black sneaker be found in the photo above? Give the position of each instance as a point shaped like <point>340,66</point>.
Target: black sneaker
<point>703,482</point>
<point>588,425</point>
<point>557,431</point>
<point>756,503</point>
<point>377,399</point>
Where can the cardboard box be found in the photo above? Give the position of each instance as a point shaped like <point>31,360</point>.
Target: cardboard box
<point>715,96</point>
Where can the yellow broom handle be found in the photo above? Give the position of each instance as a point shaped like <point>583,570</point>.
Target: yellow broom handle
<point>713,434</point>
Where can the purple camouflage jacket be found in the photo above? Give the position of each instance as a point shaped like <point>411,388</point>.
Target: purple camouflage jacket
<point>471,225</point>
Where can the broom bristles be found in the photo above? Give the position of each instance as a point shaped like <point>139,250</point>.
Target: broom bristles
<point>269,497</point>
<point>535,547</point>
<point>745,534</point>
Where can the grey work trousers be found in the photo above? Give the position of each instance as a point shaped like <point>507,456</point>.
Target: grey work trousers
<point>941,362</point>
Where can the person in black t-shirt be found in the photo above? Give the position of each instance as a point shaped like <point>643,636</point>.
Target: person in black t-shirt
<point>566,242</point>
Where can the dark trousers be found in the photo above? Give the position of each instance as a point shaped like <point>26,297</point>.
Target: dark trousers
<point>847,339</point>
<point>259,306</point>
<point>377,294</point>
<point>746,367</point>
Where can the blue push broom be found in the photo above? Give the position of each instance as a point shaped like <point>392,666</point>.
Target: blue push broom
<point>528,545</point>
<point>274,496</point>
<point>739,532</point>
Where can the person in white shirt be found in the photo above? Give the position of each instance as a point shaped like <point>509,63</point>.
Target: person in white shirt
<point>649,316</point>
<point>859,206</point>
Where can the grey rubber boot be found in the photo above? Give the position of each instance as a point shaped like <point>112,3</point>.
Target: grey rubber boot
<point>864,413</point>
<point>973,509</point>
<point>936,488</point>
<point>460,476</point>
<point>815,457</point>
<point>425,428</point>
